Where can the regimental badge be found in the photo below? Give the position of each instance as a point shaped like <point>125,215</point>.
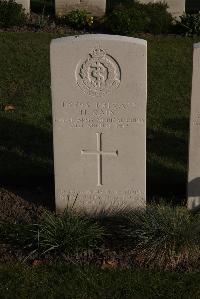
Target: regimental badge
<point>99,74</point>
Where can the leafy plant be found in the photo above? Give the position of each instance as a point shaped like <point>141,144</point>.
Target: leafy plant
<point>78,19</point>
<point>11,14</point>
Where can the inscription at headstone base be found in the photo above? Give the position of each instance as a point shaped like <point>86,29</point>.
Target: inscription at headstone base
<point>95,7</point>
<point>99,90</point>
<point>194,144</point>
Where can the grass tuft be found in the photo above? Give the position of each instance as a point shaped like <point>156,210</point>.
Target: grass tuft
<point>68,233</point>
<point>164,236</point>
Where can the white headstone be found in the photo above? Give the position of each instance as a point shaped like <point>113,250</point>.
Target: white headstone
<point>99,91</point>
<point>175,7</point>
<point>194,144</point>
<point>95,7</point>
<point>25,4</point>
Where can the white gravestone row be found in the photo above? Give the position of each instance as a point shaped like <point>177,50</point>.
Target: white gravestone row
<point>194,143</point>
<point>95,7</point>
<point>98,7</point>
<point>175,7</point>
<point>99,93</point>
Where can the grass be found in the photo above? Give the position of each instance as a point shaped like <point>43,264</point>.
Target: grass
<point>66,234</point>
<point>160,237</point>
<point>169,79</point>
<point>26,134</point>
<point>164,237</point>
<point>93,283</point>
<point>26,153</point>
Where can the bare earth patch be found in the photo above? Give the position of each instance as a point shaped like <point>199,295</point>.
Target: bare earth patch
<point>15,209</point>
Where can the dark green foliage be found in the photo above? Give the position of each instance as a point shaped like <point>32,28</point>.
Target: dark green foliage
<point>190,24</point>
<point>11,14</point>
<point>164,236</point>
<point>127,19</point>
<point>160,20</point>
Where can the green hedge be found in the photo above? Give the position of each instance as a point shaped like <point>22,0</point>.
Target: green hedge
<point>11,14</point>
<point>127,19</point>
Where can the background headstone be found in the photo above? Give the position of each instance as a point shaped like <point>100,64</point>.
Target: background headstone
<point>99,91</point>
<point>194,144</point>
<point>175,7</point>
<point>95,7</point>
<point>25,4</point>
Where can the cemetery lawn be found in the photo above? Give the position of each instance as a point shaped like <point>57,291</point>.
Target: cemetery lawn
<point>89,282</point>
<point>26,153</point>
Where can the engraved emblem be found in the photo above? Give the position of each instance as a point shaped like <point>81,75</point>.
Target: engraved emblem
<point>98,74</point>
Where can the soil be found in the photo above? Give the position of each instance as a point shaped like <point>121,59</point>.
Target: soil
<point>16,209</point>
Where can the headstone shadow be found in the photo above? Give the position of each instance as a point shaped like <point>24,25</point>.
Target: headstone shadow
<point>167,156</point>
<point>26,159</point>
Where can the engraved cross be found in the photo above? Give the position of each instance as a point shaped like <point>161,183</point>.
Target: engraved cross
<point>99,153</point>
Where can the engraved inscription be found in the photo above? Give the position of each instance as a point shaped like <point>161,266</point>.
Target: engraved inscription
<point>105,122</point>
<point>196,121</point>
<point>117,115</point>
<point>99,153</point>
<point>102,194</point>
<point>98,74</point>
